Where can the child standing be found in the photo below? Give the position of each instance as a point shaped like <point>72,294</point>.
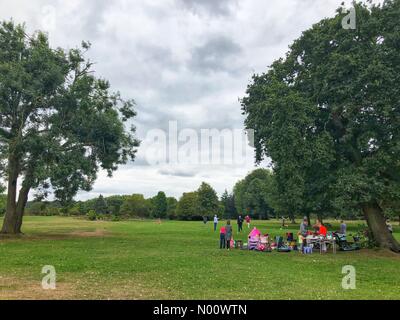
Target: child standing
<point>247,218</point>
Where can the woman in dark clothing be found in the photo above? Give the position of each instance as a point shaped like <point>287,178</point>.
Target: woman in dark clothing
<point>240,223</point>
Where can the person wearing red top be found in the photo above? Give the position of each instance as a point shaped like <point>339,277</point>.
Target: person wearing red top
<point>222,240</point>
<point>321,228</point>
<point>322,231</point>
<point>247,218</point>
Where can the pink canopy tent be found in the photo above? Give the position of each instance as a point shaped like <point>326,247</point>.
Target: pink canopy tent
<point>254,233</point>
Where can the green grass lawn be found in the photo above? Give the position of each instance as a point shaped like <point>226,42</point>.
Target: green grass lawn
<point>178,260</point>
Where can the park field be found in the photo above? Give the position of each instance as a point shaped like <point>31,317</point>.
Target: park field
<point>179,260</point>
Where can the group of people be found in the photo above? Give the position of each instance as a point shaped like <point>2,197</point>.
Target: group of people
<point>226,232</point>
<point>240,220</point>
<point>319,228</point>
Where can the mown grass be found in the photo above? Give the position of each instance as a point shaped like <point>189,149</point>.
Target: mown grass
<point>179,260</point>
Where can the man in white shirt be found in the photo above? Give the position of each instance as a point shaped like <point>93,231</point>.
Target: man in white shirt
<point>215,222</point>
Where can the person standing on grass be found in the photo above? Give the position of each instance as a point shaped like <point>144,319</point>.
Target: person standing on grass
<point>343,227</point>
<point>228,234</point>
<point>304,227</point>
<point>205,219</point>
<point>215,222</point>
<point>240,223</point>
<point>303,233</point>
<point>222,237</point>
<point>247,218</point>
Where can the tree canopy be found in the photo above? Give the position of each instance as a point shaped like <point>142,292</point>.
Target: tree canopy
<point>59,124</point>
<point>328,116</point>
<point>208,202</point>
<point>160,205</point>
<point>228,203</point>
<point>254,194</point>
<point>188,206</point>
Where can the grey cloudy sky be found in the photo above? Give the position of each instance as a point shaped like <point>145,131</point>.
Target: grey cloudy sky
<point>183,60</point>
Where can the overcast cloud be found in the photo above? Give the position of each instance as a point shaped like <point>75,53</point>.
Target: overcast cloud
<point>181,60</point>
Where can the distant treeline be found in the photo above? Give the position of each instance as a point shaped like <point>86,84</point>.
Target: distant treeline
<point>256,195</point>
<point>191,206</point>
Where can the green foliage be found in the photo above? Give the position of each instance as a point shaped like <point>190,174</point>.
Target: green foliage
<point>3,203</point>
<point>52,211</point>
<point>44,208</point>
<point>91,215</point>
<point>228,205</point>
<point>254,194</point>
<point>36,208</point>
<point>115,218</point>
<point>172,207</point>
<point>208,203</point>
<point>188,206</point>
<point>160,205</point>
<point>113,207</point>
<point>136,206</point>
<point>77,209</point>
<point>327,114</point>
<point>114,204</point>
<point>101,206</point>
<point>59,124</point>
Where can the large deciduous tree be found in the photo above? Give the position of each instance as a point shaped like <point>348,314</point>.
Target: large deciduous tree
<point>160,205</point>
<point>254,194</point>
<point>59,124</point>
<point>101,206</point>
<point>208,200</point>
<point>228,203</point>
<point>188,206</point>
<point>136,206</point>
<point>172,205</point>
<point>328,114</point>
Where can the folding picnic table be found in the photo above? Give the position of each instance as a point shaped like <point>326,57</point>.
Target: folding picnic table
<point>322,241</point>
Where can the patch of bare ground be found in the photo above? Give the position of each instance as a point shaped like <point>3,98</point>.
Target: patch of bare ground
<point>87,234</point>
<point>128,290</point>
<point>375,253</point>
<point>12,288</point>
<point>134,291</point>
<point>98,233</point>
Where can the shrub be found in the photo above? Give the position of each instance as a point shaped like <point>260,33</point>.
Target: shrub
<point>92,215</point>
<point>115,218</point>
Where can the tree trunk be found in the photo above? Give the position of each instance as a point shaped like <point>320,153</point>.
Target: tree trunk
<point>308,219</point>
<point>22,200</point>
<point>377,225</point>
<point>10,218</point>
